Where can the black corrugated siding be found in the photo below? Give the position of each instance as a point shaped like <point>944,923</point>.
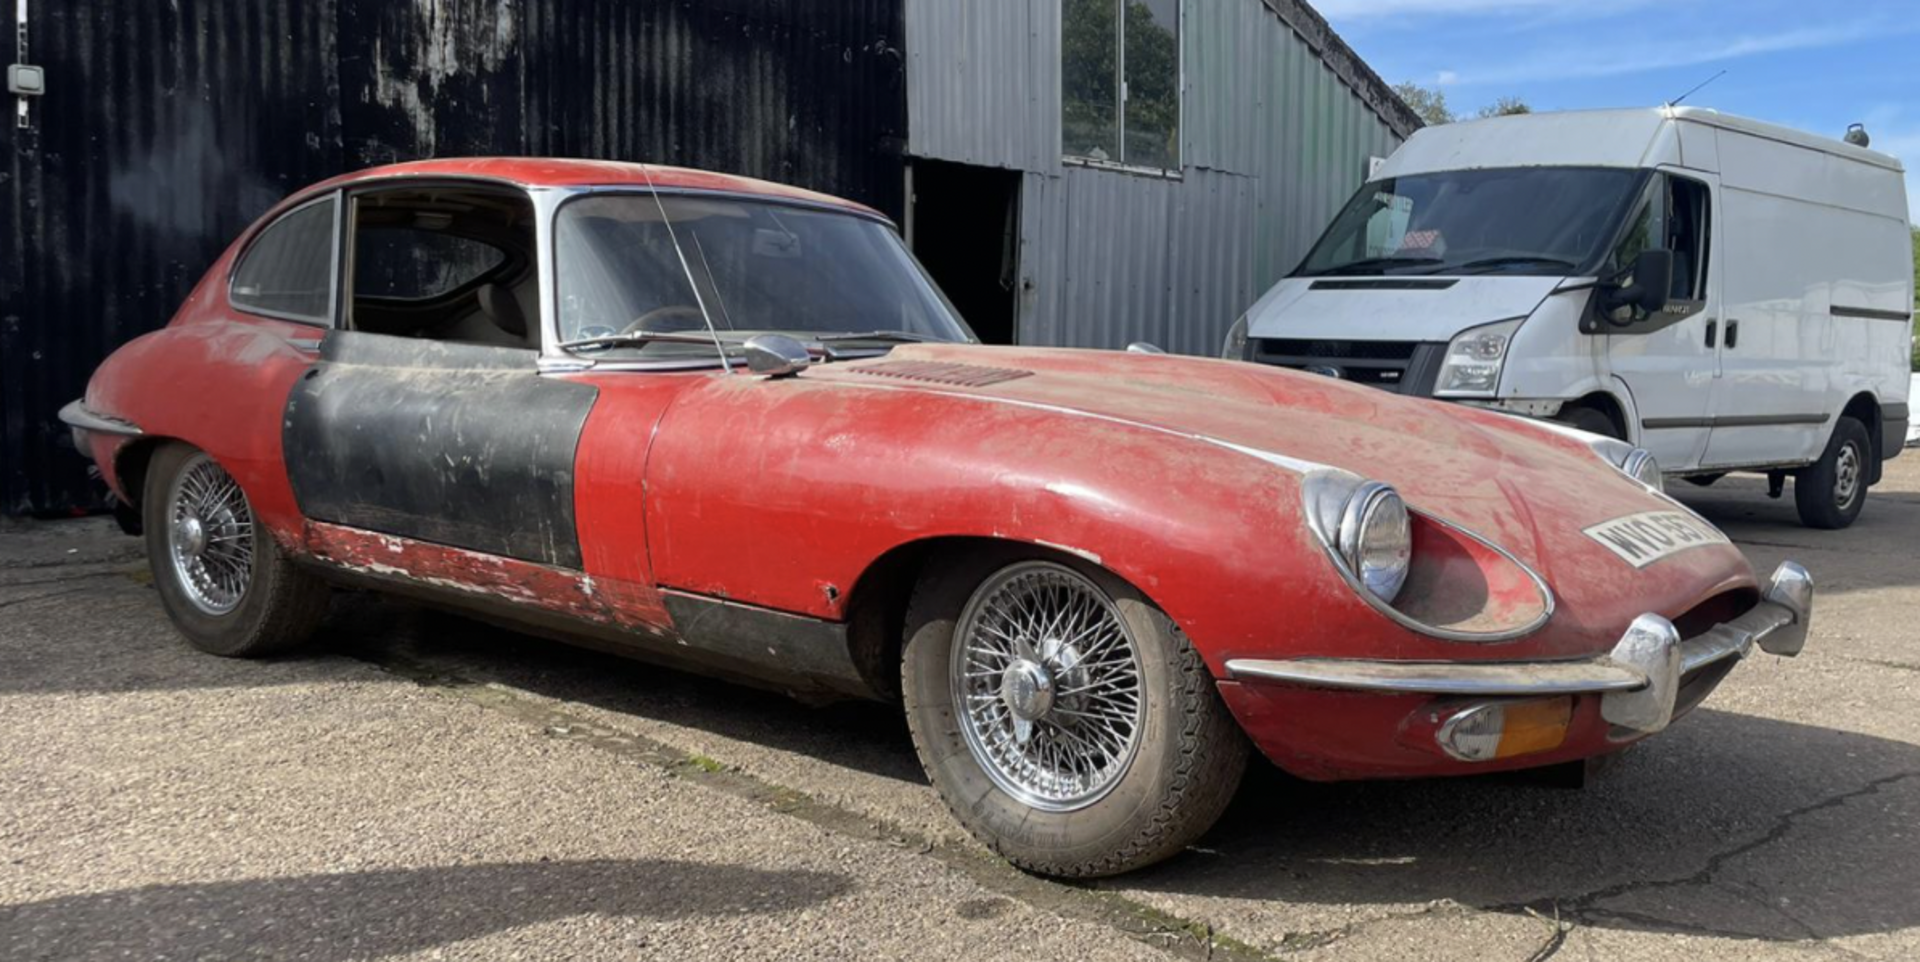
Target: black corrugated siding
<point>169,127</point>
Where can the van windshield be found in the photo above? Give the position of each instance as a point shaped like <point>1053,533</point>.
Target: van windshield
<point>1521,220</point>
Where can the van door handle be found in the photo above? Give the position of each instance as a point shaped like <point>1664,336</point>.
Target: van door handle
<point>1713,328</point>
<point>1733,335</point>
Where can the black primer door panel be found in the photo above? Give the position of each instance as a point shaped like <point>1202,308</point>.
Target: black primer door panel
<point>456,444</point>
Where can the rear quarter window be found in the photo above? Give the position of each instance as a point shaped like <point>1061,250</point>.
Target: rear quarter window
<point>288,270</point>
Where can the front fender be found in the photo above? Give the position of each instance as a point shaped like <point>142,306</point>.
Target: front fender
<point>782,493</point>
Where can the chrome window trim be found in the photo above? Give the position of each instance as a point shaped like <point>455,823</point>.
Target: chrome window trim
<point>330,318</point>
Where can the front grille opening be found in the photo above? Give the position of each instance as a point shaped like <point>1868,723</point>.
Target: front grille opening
<point>1725,606</point>
<point>1403,367</point>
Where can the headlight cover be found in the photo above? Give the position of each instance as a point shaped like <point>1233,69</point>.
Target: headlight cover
<point>1366,525</point>
<point>1474,359</point>
<point>1234,348</point>
<point>1640,465</point>
<point>1636,463</point>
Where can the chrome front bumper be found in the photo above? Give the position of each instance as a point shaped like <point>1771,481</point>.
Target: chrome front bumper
<point>1639,680</point>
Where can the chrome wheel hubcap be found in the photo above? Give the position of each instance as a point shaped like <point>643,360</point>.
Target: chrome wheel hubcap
<point>210,536</point>
<point>1846,476</point>
<point>1048,681</point>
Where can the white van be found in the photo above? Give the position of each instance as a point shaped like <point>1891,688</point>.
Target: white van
<point>1728,294</point>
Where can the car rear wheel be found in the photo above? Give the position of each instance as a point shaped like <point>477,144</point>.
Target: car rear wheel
<point>1065,720</point>
<point>1831,491</point>
<point>223,581</point>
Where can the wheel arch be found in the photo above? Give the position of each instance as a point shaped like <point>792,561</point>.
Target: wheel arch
<point>1608,406</point>
<point>876,606</point>
<point>1865,408</point>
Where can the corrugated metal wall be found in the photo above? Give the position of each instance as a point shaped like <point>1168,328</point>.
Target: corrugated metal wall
<point>1272,143</point>
<point>168,127</point>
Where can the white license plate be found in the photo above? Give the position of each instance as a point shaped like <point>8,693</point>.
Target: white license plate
<point>1642,539</point>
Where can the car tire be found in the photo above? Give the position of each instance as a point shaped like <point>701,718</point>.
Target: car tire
<point>1187,753</point>
<point>222,579</point>
<point>1831,492</point>
<point>1589,420</point>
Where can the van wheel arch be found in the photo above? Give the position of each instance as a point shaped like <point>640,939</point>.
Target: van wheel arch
<point>1588,412</point>
<point>1864,408</point>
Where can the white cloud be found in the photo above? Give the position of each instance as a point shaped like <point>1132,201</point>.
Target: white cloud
<point>1447,78</point>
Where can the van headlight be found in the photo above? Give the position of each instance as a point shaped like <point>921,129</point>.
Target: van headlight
<point>1474,359</point>
<point>1235,346</point>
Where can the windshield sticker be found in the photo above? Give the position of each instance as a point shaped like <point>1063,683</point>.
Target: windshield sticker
<point>1642,539</point>
<point>1420,240</point>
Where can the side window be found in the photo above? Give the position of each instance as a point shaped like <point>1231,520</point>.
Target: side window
<point>288,270</point>
<point>1689,236</point>
<point>1676,215</point>
<point>406,264</point>
<point>1120,82</point>
<point>444,263</point>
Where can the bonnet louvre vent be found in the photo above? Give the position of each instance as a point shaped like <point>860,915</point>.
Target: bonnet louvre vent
<point>935,372</point>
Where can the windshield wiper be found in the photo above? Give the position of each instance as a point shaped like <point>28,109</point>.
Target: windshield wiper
<point>638,339</point>
<point>1488,265</point>
<point>1376,265</point>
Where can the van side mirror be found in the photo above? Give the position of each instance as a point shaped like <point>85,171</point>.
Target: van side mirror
<point>1652,285</point>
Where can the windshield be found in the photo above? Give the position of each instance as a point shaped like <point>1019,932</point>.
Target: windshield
<point>752,266</point>
<point>1523,220</point>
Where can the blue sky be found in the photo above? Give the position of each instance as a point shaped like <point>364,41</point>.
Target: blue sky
<point>1816,66</point>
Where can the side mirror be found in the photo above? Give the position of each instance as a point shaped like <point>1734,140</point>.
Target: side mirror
<point>1652,283</point>
<point>777,355</point>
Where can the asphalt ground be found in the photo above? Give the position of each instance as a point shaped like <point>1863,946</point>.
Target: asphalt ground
<point>422,786</point>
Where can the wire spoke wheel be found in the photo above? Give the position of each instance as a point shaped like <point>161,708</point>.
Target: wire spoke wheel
<point>1047,680</point>
<point>210,536</point>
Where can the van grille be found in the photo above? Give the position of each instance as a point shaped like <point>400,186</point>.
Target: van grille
<point>1404,367</point>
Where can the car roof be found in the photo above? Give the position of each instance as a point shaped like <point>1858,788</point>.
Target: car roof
<point>535,172</point>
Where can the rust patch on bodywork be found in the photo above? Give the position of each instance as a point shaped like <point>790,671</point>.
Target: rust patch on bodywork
<point>573,594</point>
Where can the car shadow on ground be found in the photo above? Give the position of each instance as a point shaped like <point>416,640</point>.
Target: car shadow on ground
<point>387,913</point>
<point>1726,824</point>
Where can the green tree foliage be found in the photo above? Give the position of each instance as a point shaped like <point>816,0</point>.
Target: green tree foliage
<point>1505,107</point>
<point>1429,104</point>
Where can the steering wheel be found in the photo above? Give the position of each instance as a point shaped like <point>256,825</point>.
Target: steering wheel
<point>646,322</point>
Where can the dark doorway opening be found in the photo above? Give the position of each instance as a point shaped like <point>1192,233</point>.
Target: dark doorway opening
<point>965,227</point>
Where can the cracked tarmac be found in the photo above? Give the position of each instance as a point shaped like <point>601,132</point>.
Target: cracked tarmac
<point>424,787</point>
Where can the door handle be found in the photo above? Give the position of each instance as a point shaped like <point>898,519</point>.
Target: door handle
<point>1713,329</point>
<point>1733,335</point>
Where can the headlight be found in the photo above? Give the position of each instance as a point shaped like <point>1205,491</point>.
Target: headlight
<point>1640,466</point>
<point>1474,359</point>
<point>1376,539</point>
<point>1635,463</point>
<point>1235,347</point>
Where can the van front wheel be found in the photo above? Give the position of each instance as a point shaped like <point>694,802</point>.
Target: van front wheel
<point>1831,491</point>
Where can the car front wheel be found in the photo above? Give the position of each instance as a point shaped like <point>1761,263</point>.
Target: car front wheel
<point>1064,719</point>
<point>223,581</point>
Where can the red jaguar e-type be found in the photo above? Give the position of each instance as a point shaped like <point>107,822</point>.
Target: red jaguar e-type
<point>732,425</point>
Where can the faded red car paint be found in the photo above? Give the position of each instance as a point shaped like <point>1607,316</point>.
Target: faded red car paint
<point>789,494</point>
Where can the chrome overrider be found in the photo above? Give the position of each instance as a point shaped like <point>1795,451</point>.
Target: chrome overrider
<point>1639,679</point>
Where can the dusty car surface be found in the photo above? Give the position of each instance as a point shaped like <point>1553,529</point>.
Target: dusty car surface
<point>730,425</point>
